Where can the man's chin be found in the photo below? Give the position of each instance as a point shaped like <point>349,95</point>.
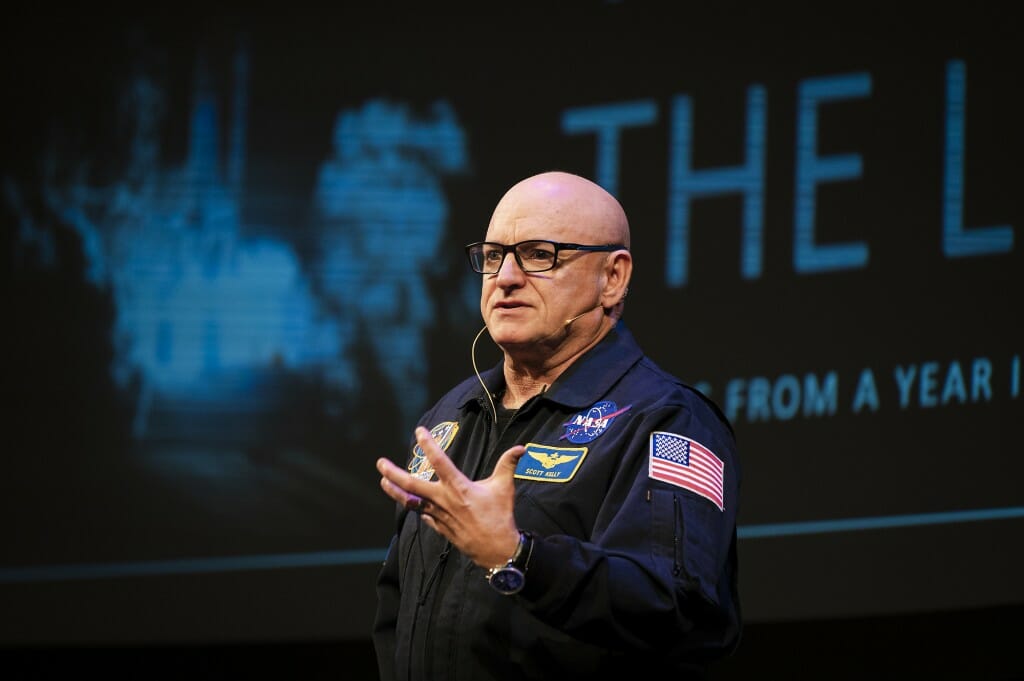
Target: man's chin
<point>512,340</point>
<point>511,335</point>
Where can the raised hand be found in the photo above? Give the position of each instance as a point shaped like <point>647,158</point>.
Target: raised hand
<point>476,516</point>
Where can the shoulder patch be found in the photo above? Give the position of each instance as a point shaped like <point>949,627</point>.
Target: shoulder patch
<point>443,433</point>
<point>686,463</point>
<point>550,464</point>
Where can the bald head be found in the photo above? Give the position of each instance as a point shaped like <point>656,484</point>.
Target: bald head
<point>581,210</point>
<point>546,317</point>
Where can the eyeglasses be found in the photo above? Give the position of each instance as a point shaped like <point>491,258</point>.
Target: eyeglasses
<point>486,257</point>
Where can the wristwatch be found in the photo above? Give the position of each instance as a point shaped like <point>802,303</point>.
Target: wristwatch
<point>509,578</point>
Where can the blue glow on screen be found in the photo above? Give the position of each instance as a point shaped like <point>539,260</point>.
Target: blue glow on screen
<point>956,240</point>
<point>607,122</point>
<point>48,573</point>
<point>687,184</point>
<point>382,214</point>
<point>204,308</point>
<point>812,170</point>
<point>276,312</point>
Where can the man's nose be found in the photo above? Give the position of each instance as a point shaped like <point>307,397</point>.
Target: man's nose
<point>507,269</point>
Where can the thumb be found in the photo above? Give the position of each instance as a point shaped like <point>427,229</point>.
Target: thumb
<point>506,466</point>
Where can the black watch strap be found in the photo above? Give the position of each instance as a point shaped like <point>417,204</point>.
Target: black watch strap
<point>510,578</point>
<point>524,551</point>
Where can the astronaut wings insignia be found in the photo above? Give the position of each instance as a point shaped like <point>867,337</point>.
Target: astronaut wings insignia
<point>551,460</point>
<point>550,464</point>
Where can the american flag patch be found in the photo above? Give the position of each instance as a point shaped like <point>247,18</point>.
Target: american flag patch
<point>687,463</point>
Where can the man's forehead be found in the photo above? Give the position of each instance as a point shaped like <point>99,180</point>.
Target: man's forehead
<point>514,229</point>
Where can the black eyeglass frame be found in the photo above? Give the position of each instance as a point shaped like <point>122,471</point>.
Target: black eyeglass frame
<point>514,250</point>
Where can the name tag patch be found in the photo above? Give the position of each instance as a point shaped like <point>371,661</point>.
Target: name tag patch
<point>550,464</point>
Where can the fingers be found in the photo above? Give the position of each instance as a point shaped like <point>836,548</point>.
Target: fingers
<point>429,512</point>
<point>445,470</point>
<point>413,492</point>
<point>436,526</point>
<point>399,495</point>
<point>398,484</point>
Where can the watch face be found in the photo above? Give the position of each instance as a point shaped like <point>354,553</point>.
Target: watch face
<point>507,580</point>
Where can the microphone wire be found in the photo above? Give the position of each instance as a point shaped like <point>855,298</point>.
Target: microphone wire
<point>472,357</point>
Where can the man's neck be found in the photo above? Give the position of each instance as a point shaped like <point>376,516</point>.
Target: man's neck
<point>518,391</point>
<point>525,376</point>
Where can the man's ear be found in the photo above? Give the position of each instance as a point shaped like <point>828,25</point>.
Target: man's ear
<point>618,271</point>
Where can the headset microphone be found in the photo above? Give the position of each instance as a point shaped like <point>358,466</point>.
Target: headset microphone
<point>476,370</point>
<point>572,319</point>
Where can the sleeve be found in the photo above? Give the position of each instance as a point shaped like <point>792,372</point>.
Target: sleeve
<point>659,571</point>
<point>386,617</point>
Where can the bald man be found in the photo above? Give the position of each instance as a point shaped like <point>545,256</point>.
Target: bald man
<point>570,512</point>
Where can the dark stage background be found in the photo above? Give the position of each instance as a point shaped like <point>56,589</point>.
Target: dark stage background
<point>234,277</point>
